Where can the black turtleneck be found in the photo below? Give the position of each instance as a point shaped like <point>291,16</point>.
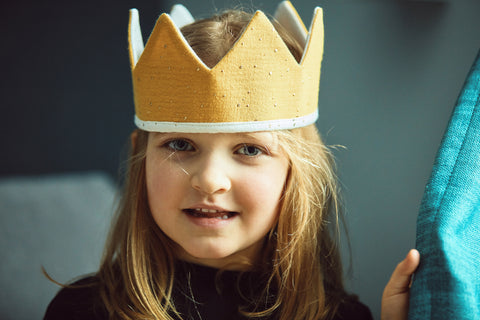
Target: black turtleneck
<point>200,293</point>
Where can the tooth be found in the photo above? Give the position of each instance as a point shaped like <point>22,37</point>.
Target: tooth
<point>204,210</point>
<point>225,217</point>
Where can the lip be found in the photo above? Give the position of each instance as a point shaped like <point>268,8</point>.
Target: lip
<point>203,206</point>
<point>209,216</point>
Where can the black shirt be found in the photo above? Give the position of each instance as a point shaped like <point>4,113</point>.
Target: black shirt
<point>200,293</point>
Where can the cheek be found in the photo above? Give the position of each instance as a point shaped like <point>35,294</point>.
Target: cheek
<point>264,189</point>
<point>162,185</point>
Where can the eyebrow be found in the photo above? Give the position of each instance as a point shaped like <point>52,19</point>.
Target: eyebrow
<point>266,138</point>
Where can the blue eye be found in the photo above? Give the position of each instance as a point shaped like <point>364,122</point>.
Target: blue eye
<point>180,145</point>
<point>249,150</point>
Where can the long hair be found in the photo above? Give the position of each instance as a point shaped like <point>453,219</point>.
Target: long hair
<point>301,260</point>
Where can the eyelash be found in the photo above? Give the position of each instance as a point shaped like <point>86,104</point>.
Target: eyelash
<point>169,145</point>
<point>189,147</point>
<point>248,146</point>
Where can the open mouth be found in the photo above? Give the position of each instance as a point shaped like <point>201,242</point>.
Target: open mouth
<point>211,214</point>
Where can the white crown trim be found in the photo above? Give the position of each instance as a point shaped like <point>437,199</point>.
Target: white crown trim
<point>181,16</point>
<point>252,126</point>
<point>288,17</point>
<point>136,38</point>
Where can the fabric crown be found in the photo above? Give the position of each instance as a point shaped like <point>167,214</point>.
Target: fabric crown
<point>257,86</point>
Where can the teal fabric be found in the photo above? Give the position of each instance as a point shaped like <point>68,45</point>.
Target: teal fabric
<point>447,283</point>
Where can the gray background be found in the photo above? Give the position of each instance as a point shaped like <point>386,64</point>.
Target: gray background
<point>392,71</point>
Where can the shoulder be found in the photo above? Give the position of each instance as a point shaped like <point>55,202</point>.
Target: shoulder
<point>351,308</point>
<point>80,300</point>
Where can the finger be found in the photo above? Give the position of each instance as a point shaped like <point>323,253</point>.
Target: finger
<point>402,275</point>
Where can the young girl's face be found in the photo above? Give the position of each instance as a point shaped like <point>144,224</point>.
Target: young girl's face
<point>215,195</point>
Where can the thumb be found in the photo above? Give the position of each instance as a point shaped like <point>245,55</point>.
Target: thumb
<point>400,280</point>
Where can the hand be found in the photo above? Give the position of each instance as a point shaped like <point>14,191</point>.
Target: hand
<point>396,294</point>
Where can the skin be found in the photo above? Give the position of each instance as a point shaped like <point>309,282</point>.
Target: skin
<point>395,297</point>
<point>396,294</point>
<point>238,175</point>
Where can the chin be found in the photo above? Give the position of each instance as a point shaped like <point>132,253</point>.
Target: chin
<point>213,257</point>
<point>210,254</point>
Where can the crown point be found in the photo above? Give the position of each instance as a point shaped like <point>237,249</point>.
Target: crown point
<point>165,52</point>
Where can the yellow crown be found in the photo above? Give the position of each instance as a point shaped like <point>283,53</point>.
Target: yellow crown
<point>258,85</point>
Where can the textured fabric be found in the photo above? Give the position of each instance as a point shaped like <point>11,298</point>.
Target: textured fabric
<point>447,283</point>
<point>258,80</point>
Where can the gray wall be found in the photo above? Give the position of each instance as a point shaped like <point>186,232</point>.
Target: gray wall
<point>65,89</point>
<point>391,74</point>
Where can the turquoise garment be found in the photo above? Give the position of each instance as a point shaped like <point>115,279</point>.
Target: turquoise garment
<point>447,283</point>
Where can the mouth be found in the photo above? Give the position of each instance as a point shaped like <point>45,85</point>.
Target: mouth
<point>210,214</point>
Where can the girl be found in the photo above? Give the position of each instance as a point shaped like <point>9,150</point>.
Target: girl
<point>229,219</point>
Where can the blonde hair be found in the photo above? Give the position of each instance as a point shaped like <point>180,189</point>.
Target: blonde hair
<point>301,260</point>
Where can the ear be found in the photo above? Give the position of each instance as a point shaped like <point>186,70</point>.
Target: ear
<point>133,139</point>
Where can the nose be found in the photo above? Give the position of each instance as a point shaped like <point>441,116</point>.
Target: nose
<point>210,176</point>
